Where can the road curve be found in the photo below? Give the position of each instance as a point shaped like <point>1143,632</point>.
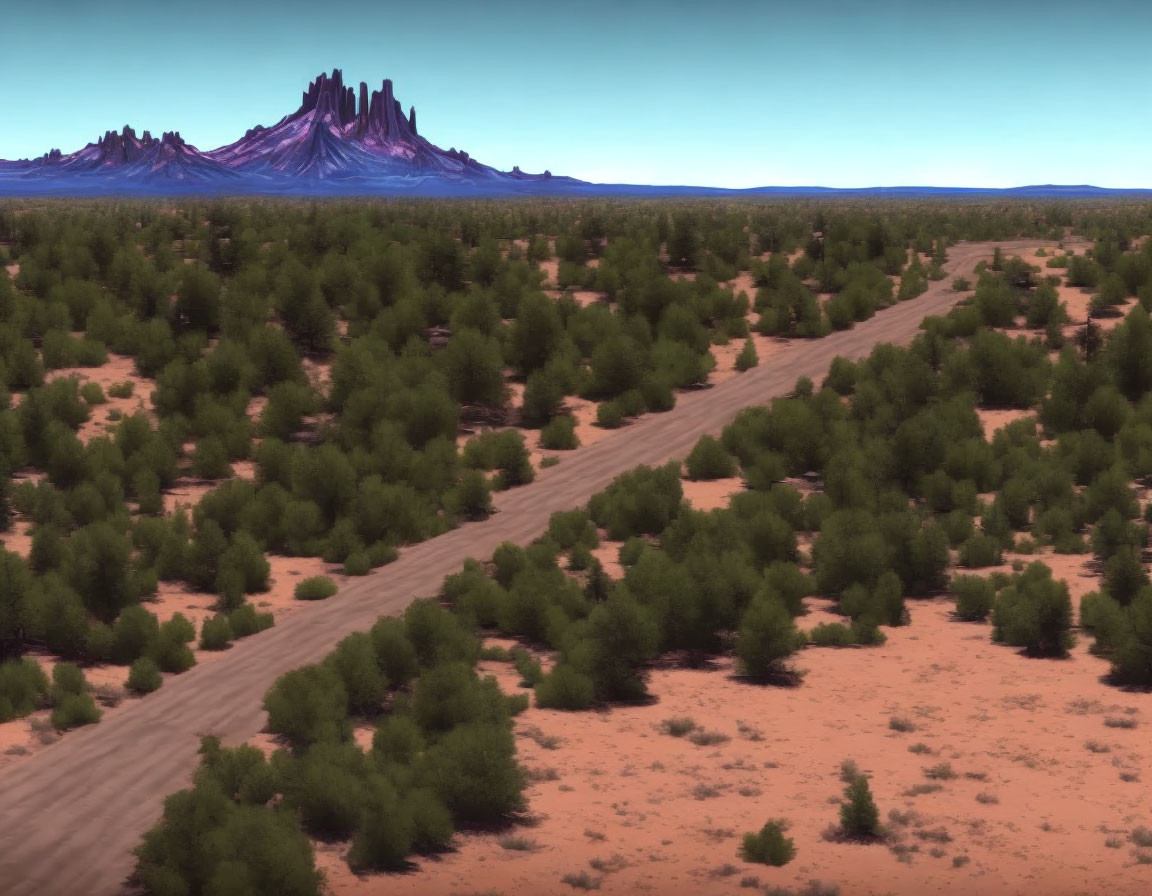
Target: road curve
<point>71,814</point>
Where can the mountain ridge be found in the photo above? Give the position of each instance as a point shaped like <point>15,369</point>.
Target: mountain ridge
<point>347,141</point>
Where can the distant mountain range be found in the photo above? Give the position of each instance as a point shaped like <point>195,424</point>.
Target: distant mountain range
<point>344,142</point>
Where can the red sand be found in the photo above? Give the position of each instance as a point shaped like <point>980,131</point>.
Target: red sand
<point>119,369</point>
<point>641,811</point>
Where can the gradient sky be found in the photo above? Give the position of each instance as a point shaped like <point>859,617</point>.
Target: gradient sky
<point>716,92</point>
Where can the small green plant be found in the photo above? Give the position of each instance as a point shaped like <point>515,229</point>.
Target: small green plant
<point>215,633</point>
<point>121,390</point>
<point>859,817</point>
<point>144,676</point>
<point>549,460</point>
<point>518,843</point>
<point>559,434</point>
<point>581,880</point>
<point>747,359</point>
<point>961,284</point>
<point>942,771</point>
<point>769,846</point>
<point>92,393</point>
<point>315,588</point>
<point>678,726</point>
<point>703,738</point>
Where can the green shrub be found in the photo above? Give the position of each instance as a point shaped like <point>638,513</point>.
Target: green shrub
<point>565,688</point>
<point>245,621</point>
<point>974,597</point>
<point>67,678</point>
<point>609,415</point>
<point>315,588</point>
<point>569,528</point>
<point>23,687</point>
<point>73,711</point>
<point>1034,612</point>
<point>769,846</point>
<point>215,633</point>
<point>134,633</point>
<point>357,563</point>
<point>979,551</point>
<point>121,390</point>
<point>709,460</point>
<point>559,434</point>
<point>831,634</point>
<point>144,676</point>
<point>747,359</point>
<point>527,667</point>
<point>308,705</point>
<point>767,637</point>
<point>92,393</point>
<point>859,816</point>
<point>474,772</point>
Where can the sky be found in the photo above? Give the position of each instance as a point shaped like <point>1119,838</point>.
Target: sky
<point>728,93</point>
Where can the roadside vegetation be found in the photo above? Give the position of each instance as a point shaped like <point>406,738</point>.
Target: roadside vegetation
<point>369,339</point>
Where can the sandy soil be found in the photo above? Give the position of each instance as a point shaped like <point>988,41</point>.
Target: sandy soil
<point>993,420</point>
<point>711,494</point>
<point>1030,806</point>
<point>1030,787</point>
<point>550,267</point>
<point>19,539</point>
<point>119,369</point>
<point>726,354</point>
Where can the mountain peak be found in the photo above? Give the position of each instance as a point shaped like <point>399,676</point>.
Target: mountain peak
<point>340,132</point>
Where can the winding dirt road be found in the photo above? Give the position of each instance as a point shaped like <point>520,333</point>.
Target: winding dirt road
<point>71,814</point>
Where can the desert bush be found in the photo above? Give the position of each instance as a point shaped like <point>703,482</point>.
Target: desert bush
<point>215,633</point>
<point>315,588</point>
<point>859,816</point>
<point>565,688</point>
<point>308,705</point>
<point>245,621</point>
<point>974,597</point>
<point>1034,612</point>
<point>767,637</point>
<point>769,846</point>
<point>559,434</point>
<point>709,460</point>
<point>144,676</point>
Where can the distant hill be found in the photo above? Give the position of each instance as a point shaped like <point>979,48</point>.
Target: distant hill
<point>347,142</point>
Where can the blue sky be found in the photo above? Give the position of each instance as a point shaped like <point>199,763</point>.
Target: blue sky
<point>724,93</point>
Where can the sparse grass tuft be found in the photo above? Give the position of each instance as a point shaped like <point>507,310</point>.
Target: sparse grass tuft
<point>922,749</point>
<point>1118,722</point>
<point>921,789</point>
<point>702,738</point>
<point>517,843</point>
<point>1141,836</point>
<point>1096,746</point>
<point>581,880</point>
<point>678,726</point>
<point>705,791</point>
<point>901,723</point>
<point>988,799</point>
<point>849,771</point>
<point>942,771</point>
<point>960,861</point>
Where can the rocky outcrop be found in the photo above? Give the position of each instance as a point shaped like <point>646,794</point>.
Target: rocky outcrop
<point>338,133</point>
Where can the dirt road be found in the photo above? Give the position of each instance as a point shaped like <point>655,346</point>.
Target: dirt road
<point>71,814</point>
